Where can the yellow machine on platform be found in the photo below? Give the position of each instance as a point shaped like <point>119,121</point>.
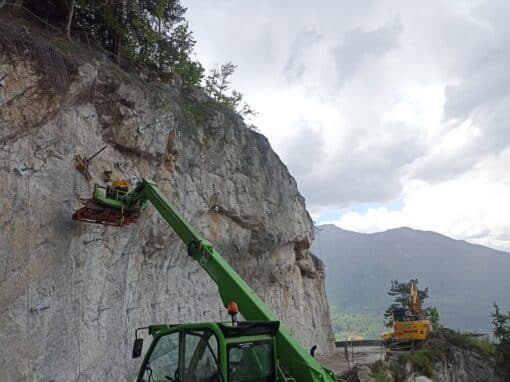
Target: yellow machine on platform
<point>410,324</point>
<point>408,331</point>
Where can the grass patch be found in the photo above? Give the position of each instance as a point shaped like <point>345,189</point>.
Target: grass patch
<point>194,111</point>
<point>198,112</point>
<point>436,350</point>
<point>422,361</point>
<point>69,47</point>
<point>379,371</point>
<point>468,341</point>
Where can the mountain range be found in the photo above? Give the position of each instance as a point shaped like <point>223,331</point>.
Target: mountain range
<point>464,279</point>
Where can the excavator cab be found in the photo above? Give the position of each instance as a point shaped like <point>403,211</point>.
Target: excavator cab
<point>210,352</point>
<point>401,314</point>
<point>410,324</point>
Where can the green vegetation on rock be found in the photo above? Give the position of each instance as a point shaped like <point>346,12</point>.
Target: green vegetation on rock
<point>470,341</point>
<point>421,361</point>
<point>445,347</point>
<point>501,332</point>
<point>380,371</point>
<point>217,87</point>
<point>152,34</point>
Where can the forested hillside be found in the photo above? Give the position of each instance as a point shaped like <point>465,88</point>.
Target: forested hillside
<point>463,279</point>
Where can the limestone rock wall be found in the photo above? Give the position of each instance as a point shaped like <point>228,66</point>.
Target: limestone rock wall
<point>71,294</point>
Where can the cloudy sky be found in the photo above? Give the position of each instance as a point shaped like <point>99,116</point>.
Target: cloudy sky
<point>387,113</point>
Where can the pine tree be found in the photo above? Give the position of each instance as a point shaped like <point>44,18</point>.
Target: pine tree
<point>400,291</point>
<point>217,86</point>
<point>153,33</point>
<point>433,315</point>
<point>501,332</point>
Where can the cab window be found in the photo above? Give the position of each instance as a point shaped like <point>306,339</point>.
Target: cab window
<point>251,362</point>
<point>201,357</point>
<point>163,363</point>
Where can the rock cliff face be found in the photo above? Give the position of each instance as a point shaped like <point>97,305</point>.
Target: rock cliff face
<point>71,294</point>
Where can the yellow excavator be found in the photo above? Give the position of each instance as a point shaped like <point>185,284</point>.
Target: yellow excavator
<point>410,324</point>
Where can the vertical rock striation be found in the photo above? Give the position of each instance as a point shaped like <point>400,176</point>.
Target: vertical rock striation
<point>71,294</point>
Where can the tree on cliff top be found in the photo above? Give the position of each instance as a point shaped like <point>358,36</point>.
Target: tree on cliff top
<point>400,291</point>
<point>501,332</point>
<point>217,86</point>
<point>149,32</point>
<point>153,33</point>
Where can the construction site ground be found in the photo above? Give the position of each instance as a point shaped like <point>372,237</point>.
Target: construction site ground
<point>358,355</point>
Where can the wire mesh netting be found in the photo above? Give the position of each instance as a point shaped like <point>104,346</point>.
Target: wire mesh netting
<point>47,22</point>
<point>54,68</point>
<point>45,46</point>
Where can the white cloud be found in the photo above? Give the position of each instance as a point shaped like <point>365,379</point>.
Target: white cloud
<point>368,102</point>
<point>473,207</point>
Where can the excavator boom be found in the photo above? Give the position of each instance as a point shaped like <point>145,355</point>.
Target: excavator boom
<point>414,300</point>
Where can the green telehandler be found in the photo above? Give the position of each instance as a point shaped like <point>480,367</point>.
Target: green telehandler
<point>259,349</point>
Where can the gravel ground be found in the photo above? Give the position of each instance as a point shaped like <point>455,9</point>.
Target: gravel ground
<point>363,355</point>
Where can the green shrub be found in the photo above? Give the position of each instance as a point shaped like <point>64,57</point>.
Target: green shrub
<point>468,341</point>
<point>379,371</point>
<point>421,360</point>
<point>501,322</point>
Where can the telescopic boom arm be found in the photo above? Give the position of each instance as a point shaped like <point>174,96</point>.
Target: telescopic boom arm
<point>293,358</point>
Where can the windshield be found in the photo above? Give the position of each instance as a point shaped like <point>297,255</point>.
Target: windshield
<point>163,364</point>
<point>251,362</point>
<point>184,356</point>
